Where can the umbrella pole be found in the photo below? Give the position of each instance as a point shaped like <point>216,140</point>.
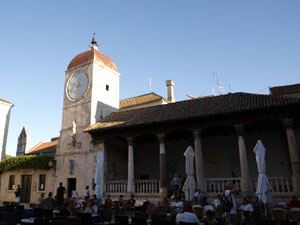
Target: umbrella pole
<point>265,210</point>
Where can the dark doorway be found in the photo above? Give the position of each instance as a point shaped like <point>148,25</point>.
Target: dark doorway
<point>71,186</point>
<point>25,188</point>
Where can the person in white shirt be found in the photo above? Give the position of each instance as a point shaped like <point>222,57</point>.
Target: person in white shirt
<point>91,208</point>
<point>217,202</point>
<point>74,194</point>
<point>186,215</point>
<point>232,215</point>
<point>86,193</point>
<point>176,204</point>
<point>244,203</point>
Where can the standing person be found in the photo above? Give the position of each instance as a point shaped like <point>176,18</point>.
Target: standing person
<point>18,193</point>
<point>228,194</point>
<point>86,193</point>
<point>74,194</point>
<point>60,194</point>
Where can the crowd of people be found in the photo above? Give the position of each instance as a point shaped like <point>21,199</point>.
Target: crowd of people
<point>185,211</point>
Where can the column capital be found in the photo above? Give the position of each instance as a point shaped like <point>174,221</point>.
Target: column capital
<point>239,129</point>
<point>130,141</point>
<point>161,138</point>
<point>288,123</point>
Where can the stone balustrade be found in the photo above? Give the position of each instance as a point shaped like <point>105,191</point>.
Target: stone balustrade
<point>279,185</point>
<point>147,186</point>
<point>214,186</point>
<point>141,186</point>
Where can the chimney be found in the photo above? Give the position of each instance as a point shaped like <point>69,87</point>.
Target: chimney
<point>170,85</point>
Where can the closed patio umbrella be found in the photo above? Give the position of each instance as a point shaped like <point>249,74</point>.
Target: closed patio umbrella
<point>98,175</point>
<point>189,184</point>
<point>263,185</point>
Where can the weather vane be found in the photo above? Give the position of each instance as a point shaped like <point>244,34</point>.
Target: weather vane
<point>94,42</point>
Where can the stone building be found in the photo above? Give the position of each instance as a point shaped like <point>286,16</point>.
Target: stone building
<point>143,146</point>
<point>33,181</point>
<point>5,108</point>
<point>143,138</point>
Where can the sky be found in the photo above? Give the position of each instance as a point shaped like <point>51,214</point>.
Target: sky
<point>252,44</point>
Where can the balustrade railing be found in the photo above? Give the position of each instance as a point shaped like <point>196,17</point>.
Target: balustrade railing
<point>141,187</point>
<point>217,185</point>
<point>146,186</point>
<point>213,186</point>
<point>279,185</point>
<point>115,187</point>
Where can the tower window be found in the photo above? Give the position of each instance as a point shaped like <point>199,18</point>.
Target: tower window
<point>107,87</point>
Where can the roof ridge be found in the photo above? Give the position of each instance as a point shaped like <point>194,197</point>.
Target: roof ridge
<point>141,96</point>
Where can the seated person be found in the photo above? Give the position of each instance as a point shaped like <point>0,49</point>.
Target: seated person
<point>244,203</point>
<point>96,200</point>
<point>131,201</point>
<point>176,204</point>
<point>121,201</point>
<point>209,218</point>
<point>165,201</point>
<point>42,199</point>
<point>66,211</point>
<point>91,208</point>
<point>248,207</point>
<point>203,201</point>
<point>294,203</point>
<point>108,203</point>
<point>186,215</point>
<point>50,199</point>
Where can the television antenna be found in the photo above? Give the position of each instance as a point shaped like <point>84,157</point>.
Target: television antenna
<point>150,84</point>
<point>220,85</point>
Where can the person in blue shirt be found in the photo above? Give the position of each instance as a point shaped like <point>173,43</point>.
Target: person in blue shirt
<point>96,200</point>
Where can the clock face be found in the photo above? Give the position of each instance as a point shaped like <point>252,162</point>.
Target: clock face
<point>77,86</point>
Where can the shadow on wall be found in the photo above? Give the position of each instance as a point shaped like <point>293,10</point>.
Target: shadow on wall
<point>103,110</point>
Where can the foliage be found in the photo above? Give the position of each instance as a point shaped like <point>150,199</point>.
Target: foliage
<point>27,162</point>
<point>7,156</point>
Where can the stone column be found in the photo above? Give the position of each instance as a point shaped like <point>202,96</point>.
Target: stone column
<point>163,185</point>
<point>245,182</point>
<point>130,184</point>
<point>293,151</point>
<point>199,161</point>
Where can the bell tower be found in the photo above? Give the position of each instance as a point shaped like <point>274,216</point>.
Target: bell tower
<point>91,92</point>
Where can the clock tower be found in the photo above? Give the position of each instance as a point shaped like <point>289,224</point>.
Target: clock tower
<point>91,93</point>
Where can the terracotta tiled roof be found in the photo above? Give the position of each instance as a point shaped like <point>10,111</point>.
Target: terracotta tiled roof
<point>287,89</point>
<point>125,103</point>
<point>91,55</point>
<point>45,147</point>
<point>3,100</point>
<point>199,109</point>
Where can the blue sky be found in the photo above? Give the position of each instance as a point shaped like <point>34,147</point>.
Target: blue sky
<point>253,44</point>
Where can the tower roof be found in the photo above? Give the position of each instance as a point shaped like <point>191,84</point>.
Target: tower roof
<point>92,55</point>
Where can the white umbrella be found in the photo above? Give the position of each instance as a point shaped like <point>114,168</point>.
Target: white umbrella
<point>263,185</point>
<point>98,176</point>
<point>189,184</point>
